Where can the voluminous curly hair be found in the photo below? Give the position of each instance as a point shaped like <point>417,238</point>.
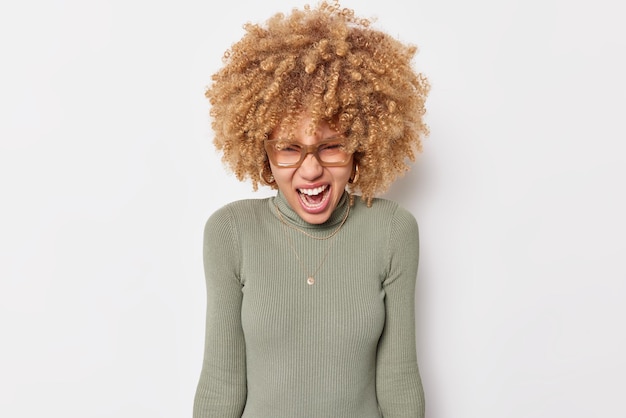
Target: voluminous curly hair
<point>338,69</point>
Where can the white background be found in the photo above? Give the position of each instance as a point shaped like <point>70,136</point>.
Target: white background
<point>107,175</point>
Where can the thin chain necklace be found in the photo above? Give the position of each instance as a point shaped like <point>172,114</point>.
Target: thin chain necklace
<point>332,234</point>
<point>310,280</point>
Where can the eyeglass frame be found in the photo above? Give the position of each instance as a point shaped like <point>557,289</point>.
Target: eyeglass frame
<point>304,151</point>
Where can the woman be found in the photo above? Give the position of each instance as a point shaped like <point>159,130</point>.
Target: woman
<point>310,294</point>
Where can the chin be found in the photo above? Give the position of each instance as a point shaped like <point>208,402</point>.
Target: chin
<point>316,219</point>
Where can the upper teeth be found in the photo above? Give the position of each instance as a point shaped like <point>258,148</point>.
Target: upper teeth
<point>313,192</point>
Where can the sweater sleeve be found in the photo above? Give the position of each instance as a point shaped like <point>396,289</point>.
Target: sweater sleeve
<point>398,384</point>
<point>221,390</point>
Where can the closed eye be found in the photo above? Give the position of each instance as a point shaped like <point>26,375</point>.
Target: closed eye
<point>288,148</point>
<point>332,147</point>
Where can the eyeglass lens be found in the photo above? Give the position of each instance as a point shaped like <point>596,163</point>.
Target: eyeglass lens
<point>288,153</point>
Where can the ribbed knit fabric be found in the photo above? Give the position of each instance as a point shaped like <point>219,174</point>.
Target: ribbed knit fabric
<point>277,347</point>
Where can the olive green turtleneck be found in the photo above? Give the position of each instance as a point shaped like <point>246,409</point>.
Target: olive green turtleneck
<point>277,347</point>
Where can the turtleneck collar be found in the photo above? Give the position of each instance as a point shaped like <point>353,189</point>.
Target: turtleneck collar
<point>293,218</point>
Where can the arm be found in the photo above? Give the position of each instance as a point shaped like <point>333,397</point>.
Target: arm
<point>398,384</point>
<point>222,389</point>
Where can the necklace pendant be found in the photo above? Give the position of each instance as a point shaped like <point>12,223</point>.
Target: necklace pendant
<point>310,280</point>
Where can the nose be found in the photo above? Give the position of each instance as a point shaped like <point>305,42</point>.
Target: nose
<point>310,169</point>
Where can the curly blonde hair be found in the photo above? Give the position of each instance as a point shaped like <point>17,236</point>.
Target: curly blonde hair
<point>338,69</point>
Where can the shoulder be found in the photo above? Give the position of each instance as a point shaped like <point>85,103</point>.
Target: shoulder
<point>235,215</point>
<point>385,211</point>
<point>385,224</point>
<point>238,210</point>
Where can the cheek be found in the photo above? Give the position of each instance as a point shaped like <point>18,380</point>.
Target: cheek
<point>342,174</point>
<point>282,176</point>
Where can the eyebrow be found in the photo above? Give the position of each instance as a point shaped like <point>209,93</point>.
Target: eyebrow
<point>338,136</point>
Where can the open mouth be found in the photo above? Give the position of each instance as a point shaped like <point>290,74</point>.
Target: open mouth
<point>314,200</point>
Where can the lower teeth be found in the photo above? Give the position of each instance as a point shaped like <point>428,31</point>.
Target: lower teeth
<point>313,200</point>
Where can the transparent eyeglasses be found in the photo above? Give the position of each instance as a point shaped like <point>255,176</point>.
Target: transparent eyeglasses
<point>289,154</point>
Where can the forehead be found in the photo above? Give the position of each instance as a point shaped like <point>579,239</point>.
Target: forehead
<point>304,130</point>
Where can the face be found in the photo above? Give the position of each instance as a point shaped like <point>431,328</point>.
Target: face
<point>312,191</point>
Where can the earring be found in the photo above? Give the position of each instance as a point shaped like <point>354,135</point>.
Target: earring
<point>355,175</point>
<point>267,178</point>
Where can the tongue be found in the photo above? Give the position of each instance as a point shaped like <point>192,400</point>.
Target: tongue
<point>314,200</point>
